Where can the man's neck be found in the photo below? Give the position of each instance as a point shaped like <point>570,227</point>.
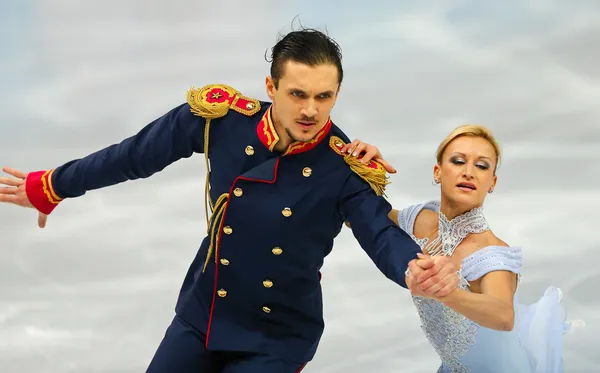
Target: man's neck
<point>284,139</point>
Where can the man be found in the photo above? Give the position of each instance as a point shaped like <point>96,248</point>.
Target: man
<point>279,190</point>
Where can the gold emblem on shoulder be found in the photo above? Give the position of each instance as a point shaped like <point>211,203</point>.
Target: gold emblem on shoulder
<point>215,100</point>
<point>373,172</point>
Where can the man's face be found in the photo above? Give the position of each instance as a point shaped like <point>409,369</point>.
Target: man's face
<point>303,100</point>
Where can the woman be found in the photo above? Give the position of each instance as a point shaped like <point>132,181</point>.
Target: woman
<point>480,327</point>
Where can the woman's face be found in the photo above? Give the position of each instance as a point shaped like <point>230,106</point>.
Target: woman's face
<point>466,171</point>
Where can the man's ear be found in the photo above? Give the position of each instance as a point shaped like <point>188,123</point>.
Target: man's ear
<point>270,87</point>
<point>337,93</point>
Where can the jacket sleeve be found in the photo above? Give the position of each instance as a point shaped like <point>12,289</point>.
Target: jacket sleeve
<point>388,246</point>
<point>177,134</point>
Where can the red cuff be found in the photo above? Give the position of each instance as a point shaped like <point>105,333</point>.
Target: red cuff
<point>40,192</point>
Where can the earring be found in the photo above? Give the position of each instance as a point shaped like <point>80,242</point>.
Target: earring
<point>435,182</point>
<point>491,191</point>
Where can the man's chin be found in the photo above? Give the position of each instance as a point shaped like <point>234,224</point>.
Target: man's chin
<point>304,137</point>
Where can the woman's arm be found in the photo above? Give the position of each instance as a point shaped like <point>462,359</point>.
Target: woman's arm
<point>393,215</point>
<point>493,307</point>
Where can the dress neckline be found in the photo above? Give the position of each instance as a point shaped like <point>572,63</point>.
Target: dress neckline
<point>451,232</point>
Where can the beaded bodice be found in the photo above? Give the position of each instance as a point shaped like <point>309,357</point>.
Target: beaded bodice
<point>449,332</point>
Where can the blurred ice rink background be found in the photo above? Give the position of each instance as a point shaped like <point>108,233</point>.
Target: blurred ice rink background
<point>95,290</point>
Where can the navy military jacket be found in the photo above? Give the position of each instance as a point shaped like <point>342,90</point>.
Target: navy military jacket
<point>255,282</point>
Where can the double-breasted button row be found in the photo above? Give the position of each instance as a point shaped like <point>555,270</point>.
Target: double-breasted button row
<point>249,150</point>
<point>238,192</point>
<point>287,212</point>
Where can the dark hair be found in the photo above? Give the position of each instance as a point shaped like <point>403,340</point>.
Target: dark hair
<point>307,46</point>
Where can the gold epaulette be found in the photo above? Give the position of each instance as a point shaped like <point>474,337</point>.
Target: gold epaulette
<point>373,172</point>
<point>215,100</point>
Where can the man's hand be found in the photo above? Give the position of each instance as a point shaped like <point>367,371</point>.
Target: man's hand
<point>432,277</point>
<point>357,147</point>
<point>12,190</point>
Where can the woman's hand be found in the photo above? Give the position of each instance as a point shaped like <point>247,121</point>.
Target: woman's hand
<point>371,152</point>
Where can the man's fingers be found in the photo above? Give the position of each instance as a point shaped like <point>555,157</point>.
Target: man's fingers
<point>9,198</point>
<point>10,181</point>
<point>8,190</point>
<point>14,172</point>
<point>42,218</point>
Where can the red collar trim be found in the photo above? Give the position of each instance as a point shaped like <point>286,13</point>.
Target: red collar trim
<point>269,138</point>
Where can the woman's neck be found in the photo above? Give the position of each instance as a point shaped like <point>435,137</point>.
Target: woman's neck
<point>452,210</point>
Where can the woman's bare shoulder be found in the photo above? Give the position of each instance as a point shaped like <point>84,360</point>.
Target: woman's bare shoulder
<point>426,223</point>
<point>483,240</point>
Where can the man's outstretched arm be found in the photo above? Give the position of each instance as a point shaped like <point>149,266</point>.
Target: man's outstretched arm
<point>177,134</point>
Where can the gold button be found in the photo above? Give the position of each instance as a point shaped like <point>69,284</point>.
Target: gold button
<point>238,192</point>
<point>227,230</point>
<point>222,293</point>
<point>249,150</point>
<point>306,172</point>
<point>338,144</point>
<point>268,284</point>
<point>277,250</point>
<point>266,310</point>
<point>225,262</point>
<point>249,106</point>
<point>287,212</point>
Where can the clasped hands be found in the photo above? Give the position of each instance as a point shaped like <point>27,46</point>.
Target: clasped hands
<point>431,277</point>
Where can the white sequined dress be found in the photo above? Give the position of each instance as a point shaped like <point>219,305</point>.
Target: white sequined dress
<point>535,343</point>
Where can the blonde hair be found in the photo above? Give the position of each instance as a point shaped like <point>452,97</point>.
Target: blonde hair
<point>471,130</point>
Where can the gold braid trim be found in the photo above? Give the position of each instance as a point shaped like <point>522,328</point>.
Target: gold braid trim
<point>207,183</point>
<point>373,172</point>
<point>216,224</point>
<point>48,188</point>
<point>197,99</point>
<point>214,101</point>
